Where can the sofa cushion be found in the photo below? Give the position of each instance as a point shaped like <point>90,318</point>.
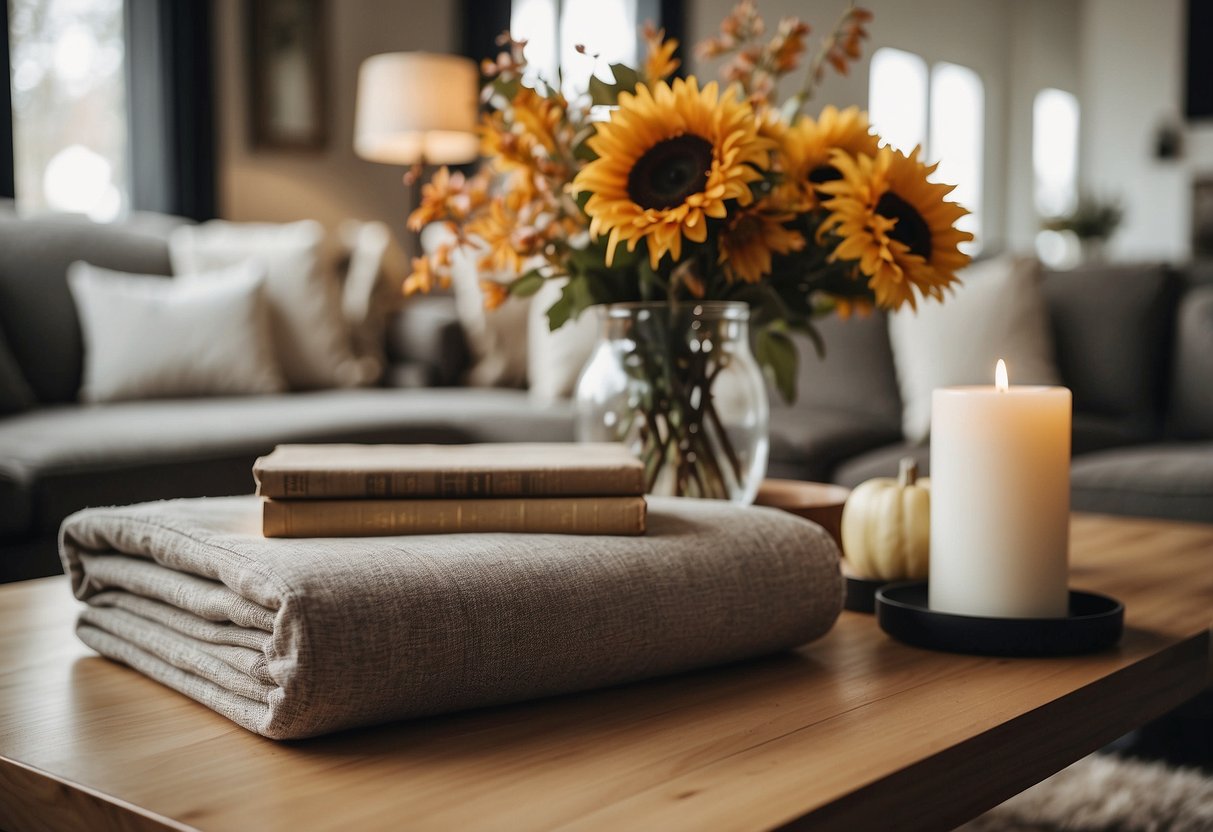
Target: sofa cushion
<point>146,337</point>
<point>314,345</point>
<point>16,508</point>
<point>997,312</point>
<point>15,393</point>
<point>855,375</point>
<point>807,442</point>
<point>71,457</point>
<point>36,310</point>
<point>1172,481</point>
<point>1111,332</point>
<point>1191,401</point>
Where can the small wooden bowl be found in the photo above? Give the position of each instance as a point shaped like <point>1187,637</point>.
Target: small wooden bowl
<point>817,501</point>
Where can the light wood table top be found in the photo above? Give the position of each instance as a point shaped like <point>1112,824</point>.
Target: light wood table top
<point>853,732</point>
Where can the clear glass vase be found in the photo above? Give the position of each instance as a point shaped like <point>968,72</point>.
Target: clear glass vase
<point>678,384</point>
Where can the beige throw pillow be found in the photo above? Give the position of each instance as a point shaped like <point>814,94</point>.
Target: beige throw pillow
<point>311,338</point>
<point>998,312</point>
<point>147,336</point>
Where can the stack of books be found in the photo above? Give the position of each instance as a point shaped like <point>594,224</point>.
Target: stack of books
<point>365,490</point>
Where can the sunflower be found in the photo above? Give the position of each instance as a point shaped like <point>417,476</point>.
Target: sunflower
<point>749,240</point>
<point>805,149</point>
<point>895,223</point>
<point>669,159</point>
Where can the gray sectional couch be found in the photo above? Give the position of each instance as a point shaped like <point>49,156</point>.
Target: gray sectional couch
<point>1135,344</point>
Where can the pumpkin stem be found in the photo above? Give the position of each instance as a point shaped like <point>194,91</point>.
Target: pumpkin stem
<point>907,473</point>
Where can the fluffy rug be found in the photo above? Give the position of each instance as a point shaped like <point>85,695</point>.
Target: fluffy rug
<point>1104,793</point>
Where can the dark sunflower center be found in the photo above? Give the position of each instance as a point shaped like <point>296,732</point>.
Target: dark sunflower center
<point>911,228</point>
<point>670,171</point>
<point>824,173</point>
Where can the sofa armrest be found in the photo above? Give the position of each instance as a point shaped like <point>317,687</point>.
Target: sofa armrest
<point>426,345</point>
<point>1191,401</point>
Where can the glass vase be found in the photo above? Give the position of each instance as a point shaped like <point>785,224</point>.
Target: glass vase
<point>678,384</point>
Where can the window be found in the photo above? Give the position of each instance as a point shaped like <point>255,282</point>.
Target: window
<point>957,137</point>
<point>942,111</point>
<point>897,98</point>
<point>69,106</point>
<point>1055,151</point>
<point>554,28</point>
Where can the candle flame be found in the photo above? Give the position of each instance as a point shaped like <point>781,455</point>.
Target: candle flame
<point>1000,377</point>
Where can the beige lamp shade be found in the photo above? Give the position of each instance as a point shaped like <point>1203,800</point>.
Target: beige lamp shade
<point>417,107</point>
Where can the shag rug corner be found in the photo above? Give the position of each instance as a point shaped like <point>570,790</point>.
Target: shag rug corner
<point>1104,793</point>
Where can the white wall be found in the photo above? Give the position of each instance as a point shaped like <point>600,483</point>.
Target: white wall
<point>1044,53</point>
<point>332,184</point>
<point>1132,81</point>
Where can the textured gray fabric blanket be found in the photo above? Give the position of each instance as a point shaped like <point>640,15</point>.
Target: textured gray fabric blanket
<point>294,638</point>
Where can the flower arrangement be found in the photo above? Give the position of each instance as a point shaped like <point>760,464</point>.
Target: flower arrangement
<point>701,199</point>
<point>697,192</point>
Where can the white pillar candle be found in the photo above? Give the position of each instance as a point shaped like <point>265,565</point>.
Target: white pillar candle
<point>1000,500</point>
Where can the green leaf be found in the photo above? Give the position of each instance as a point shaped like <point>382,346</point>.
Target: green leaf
<point>507,89</point>
<point>607,94</point>
<point>575,298</point>
<point>602,93</point>
<point>776,352</point>
<point>559,313</point>
<point>626,78</point>
<point>527,285</point>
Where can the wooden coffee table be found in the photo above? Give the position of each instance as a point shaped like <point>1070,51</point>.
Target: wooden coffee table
<point>854,732</point>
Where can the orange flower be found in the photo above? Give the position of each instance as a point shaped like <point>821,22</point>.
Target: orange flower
<point>660,63</point>
<point>494,293</point>
<point>509,237</point>
<point>538,116</point>
<point>448,196</point>
<point>847,307</point>
<point>422,278</point>
<point>786,47</point>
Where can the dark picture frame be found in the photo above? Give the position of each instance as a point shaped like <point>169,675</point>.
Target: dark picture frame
<point>287,60</point>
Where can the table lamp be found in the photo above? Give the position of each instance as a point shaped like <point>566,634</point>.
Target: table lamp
<point>417,108</point>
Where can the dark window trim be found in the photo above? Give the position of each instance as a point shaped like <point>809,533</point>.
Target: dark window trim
<point>8,176</point>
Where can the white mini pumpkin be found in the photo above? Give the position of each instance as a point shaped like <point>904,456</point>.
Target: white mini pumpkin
<point>886,527</point>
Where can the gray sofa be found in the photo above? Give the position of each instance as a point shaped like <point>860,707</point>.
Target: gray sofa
<point>1135,345</point>
<point>58,456</point>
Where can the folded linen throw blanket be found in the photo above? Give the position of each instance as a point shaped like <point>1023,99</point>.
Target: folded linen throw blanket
<point>294,638</point>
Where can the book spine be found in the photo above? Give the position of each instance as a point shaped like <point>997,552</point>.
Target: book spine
<point>367,518</point>
<point>296,485</point>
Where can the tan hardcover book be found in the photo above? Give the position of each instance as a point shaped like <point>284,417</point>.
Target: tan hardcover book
<point>369,518</point>
<point>487,470</point>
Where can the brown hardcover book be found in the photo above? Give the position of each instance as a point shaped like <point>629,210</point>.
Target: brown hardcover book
<point>488,470</point>
<point>369,518</point>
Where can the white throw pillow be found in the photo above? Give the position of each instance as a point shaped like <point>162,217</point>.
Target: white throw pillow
<point>147,336</point>
<point>998,312</point>
<point>496,337</point>
<point>311,338</point>
<point>555,359</point>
